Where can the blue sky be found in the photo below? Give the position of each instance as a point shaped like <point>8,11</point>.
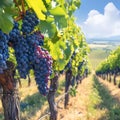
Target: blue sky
<point>99,18</point>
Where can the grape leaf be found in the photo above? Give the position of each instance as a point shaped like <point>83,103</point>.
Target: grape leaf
<point>68,51</point>
<point>61,21</point>
<point>48,28</point>
<point>57,11</point>
<point>6,3</point>
<point>77,3</point>
<point>55,50</point>
<point>6,22</point>
<point>61,64</point>
<point>39,7</point>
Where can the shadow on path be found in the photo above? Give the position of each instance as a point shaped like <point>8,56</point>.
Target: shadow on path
<point>108,102</point>
<point>31,105</point>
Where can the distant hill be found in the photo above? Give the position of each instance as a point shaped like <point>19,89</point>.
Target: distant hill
<point>111,40</point>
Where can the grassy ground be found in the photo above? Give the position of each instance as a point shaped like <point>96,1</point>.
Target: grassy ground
<point>97,55</point>
<point>93,101</point>
<point>103,103</point>
<point>33,105</point>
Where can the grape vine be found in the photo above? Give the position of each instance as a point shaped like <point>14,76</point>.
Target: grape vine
<point>110,66</point>
<point>63,49</point>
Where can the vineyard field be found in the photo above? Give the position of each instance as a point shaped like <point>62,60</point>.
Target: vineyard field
<point>54,68</point>
<point>92,105</point>
<point>99,53</point>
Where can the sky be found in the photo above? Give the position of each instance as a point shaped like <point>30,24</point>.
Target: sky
<point>99,19</point>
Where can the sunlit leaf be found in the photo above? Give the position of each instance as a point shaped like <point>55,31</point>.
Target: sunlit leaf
<point>57,11</point>
<point>61,21</point>
<point>48,1</point>
<point>39,7</point>
<point>55,51</point>
<point>68,51</point>
<point>48,28</point>
<point>77,3</point>
<point>61,64</point>
<point>50,19</point>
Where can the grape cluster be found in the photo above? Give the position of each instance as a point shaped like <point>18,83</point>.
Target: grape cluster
<point>30,20</point>
<point>21,53</point>
<point>14,33</point>
<point>21,50</point>
<point>29,54</point>
<point>42,69</point>
<point>39,38</point>
<point>40,60</point>
<point>33,40</point>
<point>3,50</point>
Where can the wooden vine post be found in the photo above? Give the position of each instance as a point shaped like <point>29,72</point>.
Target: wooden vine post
<point>110,79</point>
<point>51,97</point>
<point>114,79</point>
<point>68,77</point>
<point>10,97</point>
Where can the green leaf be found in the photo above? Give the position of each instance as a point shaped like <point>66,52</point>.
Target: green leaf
<point>61,64</point>
<point>50,19</point>
<point>47,1</point>
<point>72,7</point>
<point>56,38</point>
<point>77,3</point>
<point>57,11</point>
<point>6,22</point>
<point>11,11</point>
<point>6,3</point>
<point>6,14</point>
<point>55,50</point>
<point>61,2</point>
<point>48,28</point>
<point>62,44</point>
<point>68,51</point>
<point>61,21</point>
<point>52,76</point>
<point>73,91</point>
<point>12,56</point>
<point>39,7</point>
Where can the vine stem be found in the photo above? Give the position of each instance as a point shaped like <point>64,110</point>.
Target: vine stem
<point>18,18</point>
<point>17,6</point>
<point>21,12</point>
<point>23,6</point>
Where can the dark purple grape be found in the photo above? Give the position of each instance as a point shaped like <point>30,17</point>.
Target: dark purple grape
<point>30,20</point>
<point>4,38</point>
<point>43,64</point>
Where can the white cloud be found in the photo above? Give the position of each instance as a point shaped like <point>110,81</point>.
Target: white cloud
<point>105,25</point>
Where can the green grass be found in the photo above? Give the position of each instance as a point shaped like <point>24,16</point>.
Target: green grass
<point>97,55</point>
<point>102,105</point>
<point>32,104</point>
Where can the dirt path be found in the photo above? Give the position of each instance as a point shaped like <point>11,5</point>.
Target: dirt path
<point>96,99</point>
<point>114,90</point>
<point>77,108</point>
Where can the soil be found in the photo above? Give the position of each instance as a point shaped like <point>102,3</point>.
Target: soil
<point>77,108</point>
